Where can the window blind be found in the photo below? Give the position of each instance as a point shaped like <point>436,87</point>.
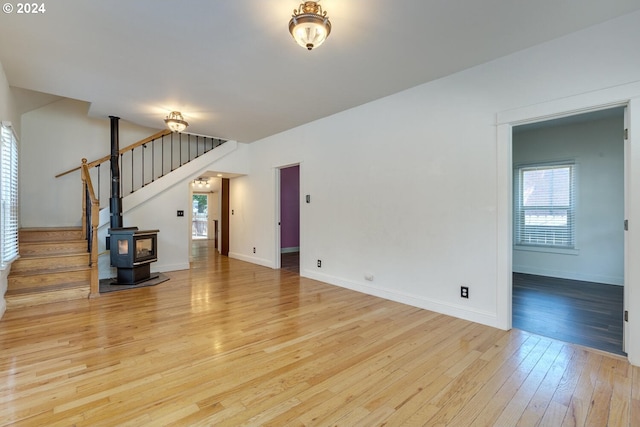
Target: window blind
<point>545,211</point>
<point>8,194</point>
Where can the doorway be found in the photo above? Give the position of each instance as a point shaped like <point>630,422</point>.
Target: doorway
<point>568,241</point>
<point>200,217</point>
<point>290,218</point>
<point>206,215</point>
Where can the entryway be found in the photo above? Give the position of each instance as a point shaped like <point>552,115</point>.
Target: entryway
<point>568,236</point>
<point>209,199</point>
<point>289,222</point>
<point>200,217</point>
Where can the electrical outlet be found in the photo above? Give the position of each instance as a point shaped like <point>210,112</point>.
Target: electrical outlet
<point>319,263</point>
<point>464,292</point>
<point>254,249</point>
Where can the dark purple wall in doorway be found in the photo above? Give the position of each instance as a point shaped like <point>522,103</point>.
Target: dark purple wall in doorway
<point>290,207</point>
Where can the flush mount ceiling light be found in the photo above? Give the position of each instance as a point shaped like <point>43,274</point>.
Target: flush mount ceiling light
<point>176,122</point>
<point>309,25</point>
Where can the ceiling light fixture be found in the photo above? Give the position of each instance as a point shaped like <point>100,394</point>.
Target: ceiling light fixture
<point>309,25</point>
<point>176,122</point>
<point>201,182</point>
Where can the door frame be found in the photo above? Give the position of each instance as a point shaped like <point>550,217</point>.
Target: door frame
<point>223,243</point>
<point>277,264</point>
<point>624,192</point>
<point>194,193</point>
<point>618,96</point>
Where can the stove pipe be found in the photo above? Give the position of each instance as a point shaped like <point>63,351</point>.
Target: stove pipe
<point>115,202</point>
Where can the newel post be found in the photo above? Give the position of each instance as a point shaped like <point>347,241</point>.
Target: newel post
<point>84,200</point>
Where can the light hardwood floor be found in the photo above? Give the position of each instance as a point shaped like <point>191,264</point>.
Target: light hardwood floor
<point>229,343</point>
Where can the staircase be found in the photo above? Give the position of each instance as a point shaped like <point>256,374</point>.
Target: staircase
<point>53,266</point>
<point>55,263</point>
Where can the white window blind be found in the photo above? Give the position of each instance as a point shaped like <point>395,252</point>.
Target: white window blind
<point>545,209</point>
<point>8,194</point>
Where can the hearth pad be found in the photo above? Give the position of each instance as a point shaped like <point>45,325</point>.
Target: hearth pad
<point>107,285</point>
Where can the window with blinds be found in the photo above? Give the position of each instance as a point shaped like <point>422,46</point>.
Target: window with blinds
<point>545,205</point>
<point>8,195</point>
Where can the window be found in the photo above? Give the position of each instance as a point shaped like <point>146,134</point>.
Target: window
<point>8,195</point>
<point>545,205</point>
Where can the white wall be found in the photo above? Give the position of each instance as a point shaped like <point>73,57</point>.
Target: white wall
<point>213,210</point>
<point>434,230</point>
<point>598,149</point>
<point>8,108</point>
<point>8,112</point>
<point>213,207</point>
<point>432,151</point>
<point>55,138</point>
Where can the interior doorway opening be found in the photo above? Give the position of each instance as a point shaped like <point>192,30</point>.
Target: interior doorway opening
<point>206,211</point>
<point>200,217</point>
<point>572,290</point>
<point>290,218</point>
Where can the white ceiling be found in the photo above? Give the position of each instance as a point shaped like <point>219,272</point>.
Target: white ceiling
<point>233,70</point>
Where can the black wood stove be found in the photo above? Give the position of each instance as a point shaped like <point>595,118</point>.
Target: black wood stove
<point>132,252</point>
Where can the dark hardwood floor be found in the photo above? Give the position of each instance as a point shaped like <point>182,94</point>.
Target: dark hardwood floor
<point>584,313</point>
<point>290,261</point>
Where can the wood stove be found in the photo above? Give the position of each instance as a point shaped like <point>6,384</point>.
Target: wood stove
<point>132,252</point>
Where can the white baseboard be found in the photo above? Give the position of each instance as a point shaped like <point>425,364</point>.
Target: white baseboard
<point>254,260</point>
<point>588,277</point>
<point>162,268</point>
<point>455,310</point>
